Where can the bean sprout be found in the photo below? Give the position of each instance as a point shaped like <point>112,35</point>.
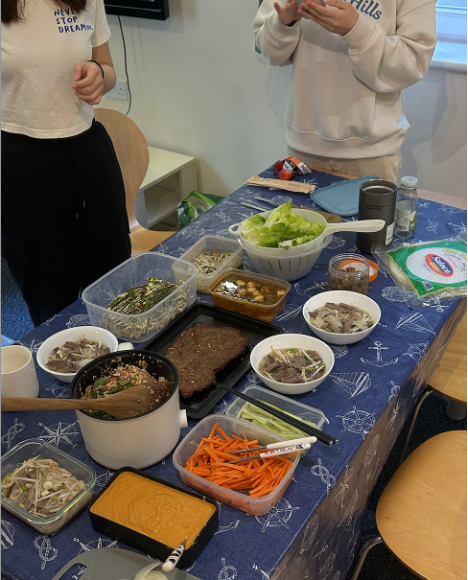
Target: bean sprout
<point>40,486</point>
<point>73,354</point>
<point>208,262</point>
<point>341,318</point>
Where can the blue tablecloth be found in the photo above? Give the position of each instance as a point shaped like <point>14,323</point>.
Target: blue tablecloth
<point>313,530</point>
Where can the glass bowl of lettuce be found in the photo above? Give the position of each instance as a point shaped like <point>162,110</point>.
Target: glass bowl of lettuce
<point>282,231</point>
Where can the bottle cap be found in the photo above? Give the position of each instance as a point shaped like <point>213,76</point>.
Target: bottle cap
<point>373,270</point>
<point>409,181</point>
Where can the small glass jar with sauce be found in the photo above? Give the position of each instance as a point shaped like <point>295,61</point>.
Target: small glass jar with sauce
<point>348,272</point>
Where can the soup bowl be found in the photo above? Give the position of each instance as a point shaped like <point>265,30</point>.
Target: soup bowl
<point>280,341</point>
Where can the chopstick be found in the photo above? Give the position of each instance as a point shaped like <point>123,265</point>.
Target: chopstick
<point>321,435</point>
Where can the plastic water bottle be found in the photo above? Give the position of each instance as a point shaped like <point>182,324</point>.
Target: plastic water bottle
<point>406,211</point>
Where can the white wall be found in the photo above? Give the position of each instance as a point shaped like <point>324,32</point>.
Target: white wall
<point>435,148</point>
<point>200,88</point>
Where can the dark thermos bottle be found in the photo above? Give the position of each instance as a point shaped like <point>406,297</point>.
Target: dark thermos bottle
<point>377,200</point>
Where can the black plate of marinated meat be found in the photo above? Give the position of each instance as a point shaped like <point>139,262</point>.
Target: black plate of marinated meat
<point>210,347</point>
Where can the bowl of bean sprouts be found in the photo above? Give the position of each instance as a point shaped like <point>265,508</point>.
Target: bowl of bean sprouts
<point>43,486</point>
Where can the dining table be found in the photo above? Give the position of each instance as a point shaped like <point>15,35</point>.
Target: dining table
<point>313,531</point>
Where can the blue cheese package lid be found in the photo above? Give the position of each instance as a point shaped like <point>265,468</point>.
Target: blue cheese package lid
<point>340,198</point>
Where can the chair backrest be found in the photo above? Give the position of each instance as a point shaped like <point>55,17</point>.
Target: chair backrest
<point>132,152</point>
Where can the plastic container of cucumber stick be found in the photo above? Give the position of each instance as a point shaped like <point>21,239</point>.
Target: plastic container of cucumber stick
<point>287,405</point>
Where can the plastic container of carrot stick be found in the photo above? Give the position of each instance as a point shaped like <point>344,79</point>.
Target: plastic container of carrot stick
<point>240,499</point>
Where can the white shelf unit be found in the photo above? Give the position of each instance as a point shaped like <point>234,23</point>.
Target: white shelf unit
<point>170,177</point>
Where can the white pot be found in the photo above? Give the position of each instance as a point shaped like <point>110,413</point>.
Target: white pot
<point>138,442</point>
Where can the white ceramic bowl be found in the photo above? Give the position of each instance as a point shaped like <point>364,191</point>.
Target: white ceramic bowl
<point>292,341</point>
<point>59,338</point>
<point>353,299</point>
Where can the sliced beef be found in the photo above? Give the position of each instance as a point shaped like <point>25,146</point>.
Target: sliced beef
<point>202,351</point>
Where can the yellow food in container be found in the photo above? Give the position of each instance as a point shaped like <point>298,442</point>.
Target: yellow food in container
<point>153,509</point>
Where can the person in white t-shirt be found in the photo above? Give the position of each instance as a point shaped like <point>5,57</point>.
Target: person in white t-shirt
<point>64,219</point>
<point>350,61</point>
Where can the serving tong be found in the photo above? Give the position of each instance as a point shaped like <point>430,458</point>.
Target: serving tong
<point>276,449</point>
<point>277,445</point>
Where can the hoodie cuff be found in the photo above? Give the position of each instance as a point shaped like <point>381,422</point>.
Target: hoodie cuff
<point>360,34</point>
<point>281,28</point>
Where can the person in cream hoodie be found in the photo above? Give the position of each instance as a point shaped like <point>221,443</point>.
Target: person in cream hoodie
<point>350,59</point>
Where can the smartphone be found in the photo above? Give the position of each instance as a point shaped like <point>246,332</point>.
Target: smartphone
<point>321,2</point>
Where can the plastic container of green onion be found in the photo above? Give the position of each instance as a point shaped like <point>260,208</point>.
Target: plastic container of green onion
<point>239,408</point>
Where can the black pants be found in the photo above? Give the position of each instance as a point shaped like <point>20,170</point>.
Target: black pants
<point>64,219</point>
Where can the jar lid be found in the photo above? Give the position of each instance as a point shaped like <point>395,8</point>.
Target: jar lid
<point>373,270</point>
<point>409,181</point>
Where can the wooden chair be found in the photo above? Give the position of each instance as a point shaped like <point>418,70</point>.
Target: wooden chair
<point>132,152</point>
<point>421,515</point>
<point>448,379</point>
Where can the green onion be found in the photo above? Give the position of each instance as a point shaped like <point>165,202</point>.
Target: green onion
<point>24,488</point>
<point>116,389</point>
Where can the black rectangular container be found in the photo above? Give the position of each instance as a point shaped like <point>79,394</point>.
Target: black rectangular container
<point>200,404</point>
<point>146,544</point>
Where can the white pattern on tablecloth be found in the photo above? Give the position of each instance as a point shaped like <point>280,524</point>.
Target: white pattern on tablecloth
<point>278,516</point>
<point>12,432</point>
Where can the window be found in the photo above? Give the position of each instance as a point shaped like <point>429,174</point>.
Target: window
<point>451,20</point>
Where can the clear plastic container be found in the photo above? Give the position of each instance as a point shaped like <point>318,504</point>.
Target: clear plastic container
<point>214,243</point>
<point>287,405</point>
<point>249,307</point>
<point>257,506</point>
<point>134,272</point>
<point>348,272</point>
<point>30,448</point>
<point>292,266</point>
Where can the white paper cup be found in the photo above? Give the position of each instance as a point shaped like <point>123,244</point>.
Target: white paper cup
<point>19,378</point>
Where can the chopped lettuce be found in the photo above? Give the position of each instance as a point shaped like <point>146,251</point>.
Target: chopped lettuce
<point>282,229</point>
<point>251,224</point>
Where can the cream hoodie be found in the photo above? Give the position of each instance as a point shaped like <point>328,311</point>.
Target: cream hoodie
<point>345,99</point>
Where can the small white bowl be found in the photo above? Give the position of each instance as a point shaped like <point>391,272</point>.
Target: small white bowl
<point>59,338</point>
<point>353,299</point>
<point>292,341</point>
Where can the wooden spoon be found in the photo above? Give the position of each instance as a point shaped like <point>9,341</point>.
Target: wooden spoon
<point>130,402</point>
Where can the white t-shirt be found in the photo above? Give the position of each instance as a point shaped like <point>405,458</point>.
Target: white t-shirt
<point>38,54</point>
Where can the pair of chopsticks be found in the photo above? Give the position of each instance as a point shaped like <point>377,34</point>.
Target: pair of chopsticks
<point>279,448</point>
